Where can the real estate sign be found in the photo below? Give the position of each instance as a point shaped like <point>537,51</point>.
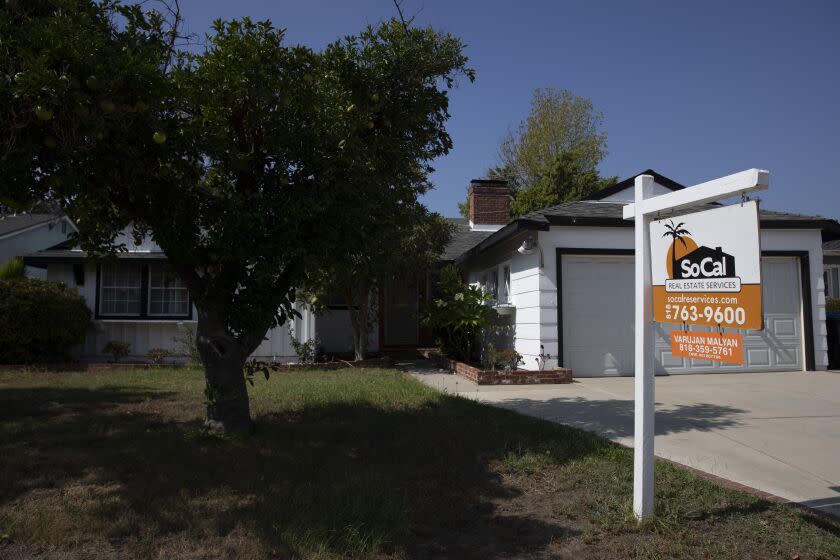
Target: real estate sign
<point>715,346</point>
<point>706,268</point>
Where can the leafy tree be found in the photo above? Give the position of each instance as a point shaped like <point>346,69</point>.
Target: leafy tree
<point>250,163</point>
<point>559,121</point>
<point>560,136</point>
<point>563,180</point>
<point>401,241</point>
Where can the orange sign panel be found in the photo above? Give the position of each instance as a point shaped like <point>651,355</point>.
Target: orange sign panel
<point>706,268</point>
<point>736,310</point>
<point>719,347</point>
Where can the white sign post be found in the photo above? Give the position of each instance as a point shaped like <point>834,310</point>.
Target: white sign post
<point>642,211</point>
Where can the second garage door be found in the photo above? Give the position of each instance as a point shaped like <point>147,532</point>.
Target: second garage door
<point>597,329</point>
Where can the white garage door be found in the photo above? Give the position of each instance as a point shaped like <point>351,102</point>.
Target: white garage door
<point>597,306</point>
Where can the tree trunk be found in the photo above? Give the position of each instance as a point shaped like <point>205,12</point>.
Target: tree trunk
<point>223,358</point>
<point>359,301</point>
<point>674,260</point>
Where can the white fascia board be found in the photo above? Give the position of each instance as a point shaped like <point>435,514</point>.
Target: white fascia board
<point>486,227</point>
<point>743,182</point>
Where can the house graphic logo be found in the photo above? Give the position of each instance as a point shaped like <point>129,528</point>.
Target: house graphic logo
<point>704,262</point>
<point>697,268</point>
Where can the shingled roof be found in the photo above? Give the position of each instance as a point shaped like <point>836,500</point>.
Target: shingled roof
<point>611,214</point>
<point>832,247</point>
<point>463,239</point>
<point>19,222</point>
<point>593,212</point>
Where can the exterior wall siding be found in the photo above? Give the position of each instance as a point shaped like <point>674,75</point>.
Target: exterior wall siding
<point>771,240</point>
<point>147,334</point>
<point>534,289</point>
<point>37,239</point>
<point>336,334</point>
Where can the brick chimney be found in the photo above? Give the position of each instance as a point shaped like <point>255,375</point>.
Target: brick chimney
<point>489,204</point>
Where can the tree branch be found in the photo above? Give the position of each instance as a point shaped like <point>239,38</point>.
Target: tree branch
<point>405,23</point>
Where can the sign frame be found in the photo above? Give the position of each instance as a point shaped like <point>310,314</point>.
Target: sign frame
<point>647,205</point>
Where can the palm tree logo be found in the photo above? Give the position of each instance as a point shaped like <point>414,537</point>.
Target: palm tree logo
<point>676,232</point>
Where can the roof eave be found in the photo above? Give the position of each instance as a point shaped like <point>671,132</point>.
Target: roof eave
<point>628,183</point>
<point>516,226</point>
<point>43,258</point>
<point>829,229</point>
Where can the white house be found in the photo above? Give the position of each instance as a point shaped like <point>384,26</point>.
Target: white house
<point>21,234</point>
<point>132,300</point>
<point>564,278</point>
<point>831,261</point>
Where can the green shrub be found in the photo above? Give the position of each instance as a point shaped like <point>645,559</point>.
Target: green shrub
<point>40,321</point>
<point>11,269</point>
<point>458,315</point>
<point>307,352</point>
<point>507,358</point>
<point>118,349</point>
<point>186,347</point>
<point>157,355</point>
<point>832,305</point>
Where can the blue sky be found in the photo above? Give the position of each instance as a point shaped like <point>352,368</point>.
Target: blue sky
<point>694,90</point>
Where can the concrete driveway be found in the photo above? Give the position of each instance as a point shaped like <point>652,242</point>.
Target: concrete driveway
<point>776,432</point>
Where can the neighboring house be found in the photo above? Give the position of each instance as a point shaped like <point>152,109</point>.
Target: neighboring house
<point>566,276</point>
<point>562,279</point>
<point>21,234</point>
<point>831,262</point>
<point>132,299</point>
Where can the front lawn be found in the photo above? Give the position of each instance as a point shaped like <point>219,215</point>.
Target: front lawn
<point>114,464</point>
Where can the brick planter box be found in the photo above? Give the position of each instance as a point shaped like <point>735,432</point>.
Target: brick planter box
<point>499,377</point>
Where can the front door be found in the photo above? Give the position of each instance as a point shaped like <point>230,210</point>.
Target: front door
<point>400,313</point>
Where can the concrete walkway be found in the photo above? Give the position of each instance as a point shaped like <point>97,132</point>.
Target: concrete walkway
<point>776,432</point>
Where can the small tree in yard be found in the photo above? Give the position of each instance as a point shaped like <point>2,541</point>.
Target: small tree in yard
<point>403,241</point>
<point>250,164</point>
<point>118,349</point>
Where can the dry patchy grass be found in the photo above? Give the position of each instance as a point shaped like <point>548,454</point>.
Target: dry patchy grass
<point>115,464</point>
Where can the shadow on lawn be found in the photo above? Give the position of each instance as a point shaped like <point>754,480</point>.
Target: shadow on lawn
<point>613,418</point>
<point>350,479</point>
<point>48,401</point>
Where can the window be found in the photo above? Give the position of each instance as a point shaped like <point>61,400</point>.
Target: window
<point>832,281</point>
<point>492,286</point>
<point>120,289</point>
<point>504,295</point>
<point>142,291</point>
<point>167,294</point>
<point>335,300</point>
